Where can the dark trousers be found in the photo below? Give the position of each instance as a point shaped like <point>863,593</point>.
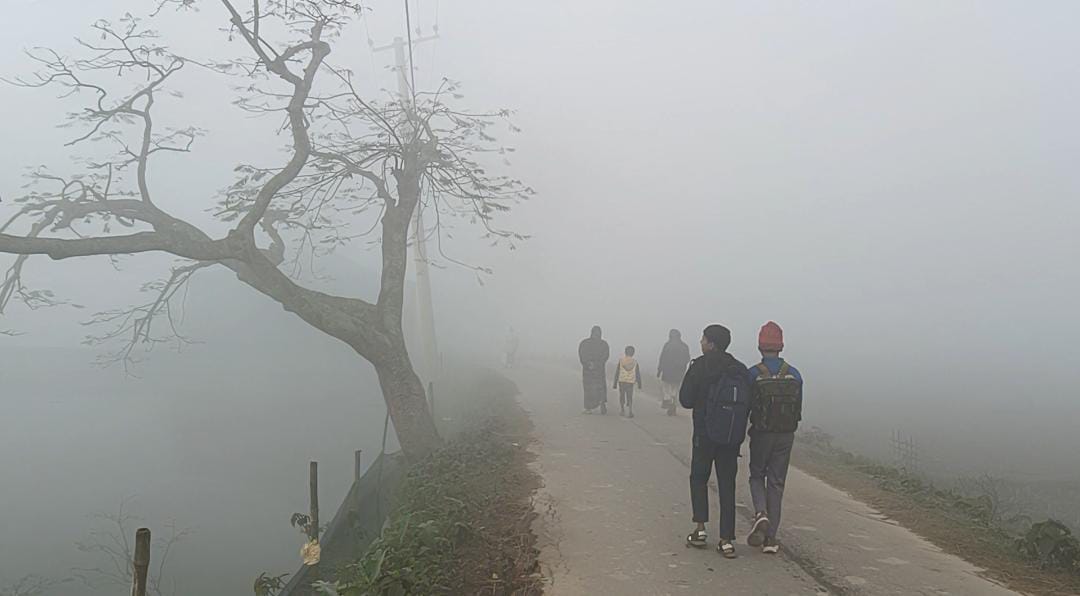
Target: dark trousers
<point>770,454</point>
<point>626,394</point>
<point>705,456</point>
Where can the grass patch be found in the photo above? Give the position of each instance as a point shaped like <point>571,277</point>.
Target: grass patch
<point>462,522</point>
<point>1042,558</point>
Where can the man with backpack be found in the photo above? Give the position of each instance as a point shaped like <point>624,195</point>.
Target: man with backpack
<point>673,360</point>
<point>717,389</point>
<point>776,409</point>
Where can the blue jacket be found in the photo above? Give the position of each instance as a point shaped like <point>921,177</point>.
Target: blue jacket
<point>773,364</point>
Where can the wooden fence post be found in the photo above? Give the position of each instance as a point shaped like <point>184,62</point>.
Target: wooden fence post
<point>141,562</point>
<point>431,397</point>
<point>356,466</point>
<point>313,531</point>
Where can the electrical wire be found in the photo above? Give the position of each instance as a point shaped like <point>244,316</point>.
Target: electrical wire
<point>433,76</point>
<point>412,67</point>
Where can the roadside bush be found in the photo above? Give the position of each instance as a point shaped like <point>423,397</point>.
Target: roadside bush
<point>1052,545</point>
<point>449,503</point>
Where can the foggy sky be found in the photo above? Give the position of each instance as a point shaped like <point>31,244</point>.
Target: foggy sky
<point>892,177</point>
<point>891,182</point>
<point>895,183</point>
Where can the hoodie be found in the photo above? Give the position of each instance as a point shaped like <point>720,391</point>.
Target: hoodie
<point>673,360</point>
<point>703,372</point>
<point>628,372</point>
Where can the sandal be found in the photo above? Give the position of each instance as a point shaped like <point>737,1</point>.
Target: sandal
<point>727,549</point>
<point>697,539</point>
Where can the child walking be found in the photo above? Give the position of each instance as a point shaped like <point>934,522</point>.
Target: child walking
<point>629,374</point>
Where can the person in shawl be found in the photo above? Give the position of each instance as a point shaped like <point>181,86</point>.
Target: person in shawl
<point>594,354</point>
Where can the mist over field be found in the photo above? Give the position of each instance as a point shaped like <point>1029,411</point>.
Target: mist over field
<point>893,183</point>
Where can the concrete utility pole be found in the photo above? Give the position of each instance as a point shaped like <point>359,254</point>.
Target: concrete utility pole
<point>424,305</point>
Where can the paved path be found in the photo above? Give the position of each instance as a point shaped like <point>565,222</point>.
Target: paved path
<point>614,511</point>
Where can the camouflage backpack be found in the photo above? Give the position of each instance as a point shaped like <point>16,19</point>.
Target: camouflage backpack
<point>777,400</point>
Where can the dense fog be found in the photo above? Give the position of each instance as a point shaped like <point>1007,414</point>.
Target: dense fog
<point>893,183</point>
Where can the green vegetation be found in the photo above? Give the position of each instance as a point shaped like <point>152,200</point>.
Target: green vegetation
<point>1052,545</point>
<point>462,523</point>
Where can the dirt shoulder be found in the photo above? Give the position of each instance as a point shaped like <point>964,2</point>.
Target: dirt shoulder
<point>499,555</point>
<point>949,521</point>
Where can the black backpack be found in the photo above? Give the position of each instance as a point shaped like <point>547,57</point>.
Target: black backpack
<point>777,405</point>
<point>727,407</point>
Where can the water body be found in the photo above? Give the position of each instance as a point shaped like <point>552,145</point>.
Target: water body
<point>216,438</point>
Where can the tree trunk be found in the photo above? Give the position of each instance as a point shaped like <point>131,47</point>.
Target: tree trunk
<point>402,389</point>
<point>405,397</point>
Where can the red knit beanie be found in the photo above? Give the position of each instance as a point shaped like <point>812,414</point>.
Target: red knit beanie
<point>771,338</point>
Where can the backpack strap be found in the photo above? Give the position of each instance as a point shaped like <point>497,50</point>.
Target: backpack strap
<point>784,370</point>
<point>763,371</point>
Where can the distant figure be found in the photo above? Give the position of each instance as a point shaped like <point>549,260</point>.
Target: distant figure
<point>716,388</point>
<point>628,375</point>
<point>672,368</point>
<point>775,412</point>
<point>510,348</point>
<point>594,354</point>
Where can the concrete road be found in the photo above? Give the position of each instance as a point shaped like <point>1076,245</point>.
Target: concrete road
<point>614,512</point>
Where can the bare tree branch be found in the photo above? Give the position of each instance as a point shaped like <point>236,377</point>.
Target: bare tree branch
<point>346,156</point>
<point>110,544</point>
<point>135,325</point>
<point>32,585</point>
<point>61,248</point>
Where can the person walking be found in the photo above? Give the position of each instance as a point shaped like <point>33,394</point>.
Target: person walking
<point>775,412</point>
<point>594,354</point>
<point>510,349</point>
<point>628,374</point>
<point>671,370</point>
<point>716,388</point>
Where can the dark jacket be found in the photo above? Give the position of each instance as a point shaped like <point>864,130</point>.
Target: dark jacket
<point>673,360</point>
<point>594,354</point>
<point>703,372</point>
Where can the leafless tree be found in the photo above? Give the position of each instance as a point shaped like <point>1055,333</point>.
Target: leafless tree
<point>32,585</point>
<point>351,161</point>
<point>999,494</point>
<point>113,545</point>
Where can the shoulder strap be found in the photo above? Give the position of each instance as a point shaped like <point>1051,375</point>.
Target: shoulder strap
<point>784,370</point>
<point>763,371</point>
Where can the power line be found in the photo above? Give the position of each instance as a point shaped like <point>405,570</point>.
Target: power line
<point>371,48</point>
<point>433,70</point>
<point>412,67</point>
